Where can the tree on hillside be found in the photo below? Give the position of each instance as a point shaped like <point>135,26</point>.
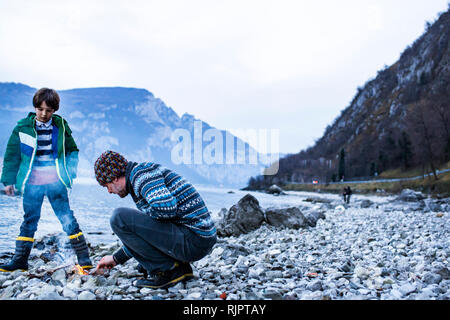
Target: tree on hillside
<point>341,170</point>
<point>405,147</point>
<point>422,129</point>
<point>373,169</point>
<point>442,113</point>
<point>382,162</point>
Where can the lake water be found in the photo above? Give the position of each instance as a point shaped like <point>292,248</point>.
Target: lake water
<point>93,205</point>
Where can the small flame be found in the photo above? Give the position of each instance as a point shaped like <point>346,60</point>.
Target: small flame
<point>79,270</point>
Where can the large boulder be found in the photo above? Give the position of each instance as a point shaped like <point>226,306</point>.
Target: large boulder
<point>409,195</point>
<point>275,190</point>
<point>243,217</point>
<point>291,218</point>
<point>314,216</point>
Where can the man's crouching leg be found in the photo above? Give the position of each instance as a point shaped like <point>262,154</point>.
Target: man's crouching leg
<point>163,248</point>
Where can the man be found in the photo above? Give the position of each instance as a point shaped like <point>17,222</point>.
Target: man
<point>171,227</point>
<point>347,193</point>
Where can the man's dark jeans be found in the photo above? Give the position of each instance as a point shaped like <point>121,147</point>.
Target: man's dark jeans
<point>32,202</point>
<point>156,245</point>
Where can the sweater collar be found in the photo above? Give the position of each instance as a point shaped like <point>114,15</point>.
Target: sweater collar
<point>130,166</point>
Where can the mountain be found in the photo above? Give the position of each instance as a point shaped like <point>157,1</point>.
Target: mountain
<point>140,126</point>
<point>398,120</point>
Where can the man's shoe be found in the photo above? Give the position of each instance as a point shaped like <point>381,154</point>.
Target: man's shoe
<point>142,270</point>
<point>164,279</point>
<point>188,273</point>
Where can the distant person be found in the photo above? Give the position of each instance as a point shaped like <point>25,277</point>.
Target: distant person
<point>41,160</point>
<point>171,228</point>
<point>346,194</point>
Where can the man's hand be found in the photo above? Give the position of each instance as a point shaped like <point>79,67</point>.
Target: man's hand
<point>9,190</point>
<point>107,262</point>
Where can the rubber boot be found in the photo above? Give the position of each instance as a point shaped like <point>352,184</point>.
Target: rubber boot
<point>79,245</point>
<point>20,259</point>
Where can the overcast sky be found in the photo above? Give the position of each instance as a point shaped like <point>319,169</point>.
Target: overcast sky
<point>287,65</point>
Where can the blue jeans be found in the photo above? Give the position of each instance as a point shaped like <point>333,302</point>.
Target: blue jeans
<point>32,202</point>
<point>155,244</point>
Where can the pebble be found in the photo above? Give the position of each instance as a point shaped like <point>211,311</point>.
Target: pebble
<point>194,295</point>
<point>86,295</point>
<point>407,288</point>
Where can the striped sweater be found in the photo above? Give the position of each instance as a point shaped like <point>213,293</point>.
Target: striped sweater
<point>44,166</point>
<point>165,195</point>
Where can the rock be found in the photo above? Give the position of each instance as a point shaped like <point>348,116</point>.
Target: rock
<point>435,207</point>
<point>395,294</point>
<point>272,293</point>
<point>313,217</point>
<point>86,295</point>
<point>242,218</point>
<point>256,272</point>
<point>8,293</point>
<point>366,204</point>
<point>348,266</point>
<point>431,278</point>
<point>234,250</point>
<point>50,296</point>
<point>318,200</point>
<point>314,286</point>
<point>59,275</point>
<point>409,195</point>
<point>444,273</point>
<point>194,295</point>
<point>276,274</point>
<point>316,295</point>
<point>361,272</point>
<point>286,218</point>
<point>275,190</point>
<point>67,293</point>
<point>407,288</point>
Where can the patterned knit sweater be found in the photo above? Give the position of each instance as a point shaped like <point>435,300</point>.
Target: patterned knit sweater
<point>165,195</point>
<point>44,167</point>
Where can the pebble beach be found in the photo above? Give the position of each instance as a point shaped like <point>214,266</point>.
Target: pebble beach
<point>375,248</point>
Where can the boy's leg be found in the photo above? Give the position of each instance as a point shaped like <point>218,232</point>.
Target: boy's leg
<point>59,200</point>
<point>32,203</point>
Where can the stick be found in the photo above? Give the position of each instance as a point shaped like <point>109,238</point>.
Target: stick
<point>49,272</point>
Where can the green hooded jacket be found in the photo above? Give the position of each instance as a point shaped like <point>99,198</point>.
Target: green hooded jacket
<point>21,150</point>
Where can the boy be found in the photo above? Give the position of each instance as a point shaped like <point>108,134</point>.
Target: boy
<point>41,160</point>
